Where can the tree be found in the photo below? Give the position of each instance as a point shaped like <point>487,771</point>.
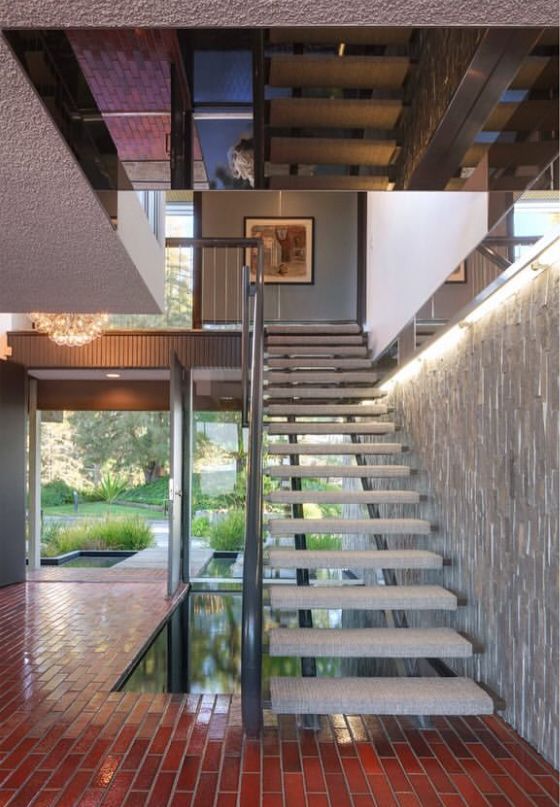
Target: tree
<point>122,441</point>
<point>178,296</point>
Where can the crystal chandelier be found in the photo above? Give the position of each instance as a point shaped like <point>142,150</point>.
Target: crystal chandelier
<point>70,330</point>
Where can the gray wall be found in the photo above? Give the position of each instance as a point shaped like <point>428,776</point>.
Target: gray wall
<point>12,473</point>
<point>482,423</point>
<point>451,297</point>
<point>333,295</point>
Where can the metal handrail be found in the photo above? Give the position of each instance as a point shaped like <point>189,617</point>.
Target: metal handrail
<point>245,345</point>
<point>252,613</point>
<point>252,355</point>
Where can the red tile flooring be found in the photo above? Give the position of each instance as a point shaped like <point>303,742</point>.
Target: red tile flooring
<point>66,739</point>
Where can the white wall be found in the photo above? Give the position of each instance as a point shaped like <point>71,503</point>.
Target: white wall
<point>137,237</point>
<point>58,250</point>
<point>415,240</point>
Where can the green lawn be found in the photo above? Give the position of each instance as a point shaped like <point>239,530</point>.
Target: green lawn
<point>102,509</point>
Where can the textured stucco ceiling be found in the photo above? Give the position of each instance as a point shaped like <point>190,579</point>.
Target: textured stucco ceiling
<point>224,13</point>
<point>58,250</point>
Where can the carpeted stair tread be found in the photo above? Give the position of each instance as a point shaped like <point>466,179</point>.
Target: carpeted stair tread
<point>351,72</point>
<point>346,597</point>
<point>310,339</point>
<point>317,350</point>
<point>325,410</point>
<point>379,696</point>
<point>343,497</point>
<point>330,449</point>
<point>338,113</point>
<point>314,329</point>
<point>317,377</point>
<point>349,526</point>
<point>281,558</point>
<point>369,643</point>
<point>321,393</point>
<point>336,471</point>
<point>375,427</point>
<point>318,362</point>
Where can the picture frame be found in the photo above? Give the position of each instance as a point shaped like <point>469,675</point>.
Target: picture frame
<point>289,248</point>
<point>459,275</point>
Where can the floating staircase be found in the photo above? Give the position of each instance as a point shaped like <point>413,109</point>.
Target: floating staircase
<point>337,101</point>
<point>318,406</point>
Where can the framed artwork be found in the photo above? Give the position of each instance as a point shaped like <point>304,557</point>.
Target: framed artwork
<point>288,249</point>
<point>459,275</point>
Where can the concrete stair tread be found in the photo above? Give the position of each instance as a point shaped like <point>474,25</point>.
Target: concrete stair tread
<point>341,597</point>
<point>320,362</point>
<point>349,526</point>
<point>317,350</point>
<point>317,377</point>
<point>324,392</point>
<point>281,558</point>
<point>343,497</point>
<point>369,643</point>
<point>327,410</point>
<point>381,696</point>
<point>325,339</point>
<point>314,328</point>
<point>375,427</point>
<point>337,471</point>
<point>328,449</point>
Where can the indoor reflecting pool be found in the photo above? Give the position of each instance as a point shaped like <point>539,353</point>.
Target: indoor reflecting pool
<point>199,649</point>
<point>85,561</point>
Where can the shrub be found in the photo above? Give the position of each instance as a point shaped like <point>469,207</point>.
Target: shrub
<point>50,531</point>
<point>91,495</point>
<point>229,533</point>
<point>110,488</point>
<point>323,542</point>
<point>200,527</point>
<point>110,533</point>
<point>56,493</point>
<point>151,493</point>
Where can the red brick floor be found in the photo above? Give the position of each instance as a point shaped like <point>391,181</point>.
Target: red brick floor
<point>66,739</point>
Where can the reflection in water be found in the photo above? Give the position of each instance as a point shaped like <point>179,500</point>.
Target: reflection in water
<point>217,566</point>
<point>210,658</point>
<point>214,643</point>
<point>85,561</point>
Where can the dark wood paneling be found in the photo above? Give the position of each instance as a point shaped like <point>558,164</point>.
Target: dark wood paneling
<point>197,263</point>
<point>12,473</point>
<point>146,396</point>
<point>130,349</point>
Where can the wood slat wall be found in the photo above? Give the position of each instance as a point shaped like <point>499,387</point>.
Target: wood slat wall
<point>145,396</point>
<point>130,349</point>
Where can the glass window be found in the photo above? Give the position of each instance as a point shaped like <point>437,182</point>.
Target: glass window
<point>535,214</point>
<point>179,223</point>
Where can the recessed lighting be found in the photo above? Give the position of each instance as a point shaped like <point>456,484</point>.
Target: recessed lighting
<point>112,375</point>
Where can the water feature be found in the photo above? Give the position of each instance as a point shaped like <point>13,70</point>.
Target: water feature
<point>85,561</point>
<point>199,648</point>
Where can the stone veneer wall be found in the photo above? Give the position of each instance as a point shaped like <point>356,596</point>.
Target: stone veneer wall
<point>482,425</point>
